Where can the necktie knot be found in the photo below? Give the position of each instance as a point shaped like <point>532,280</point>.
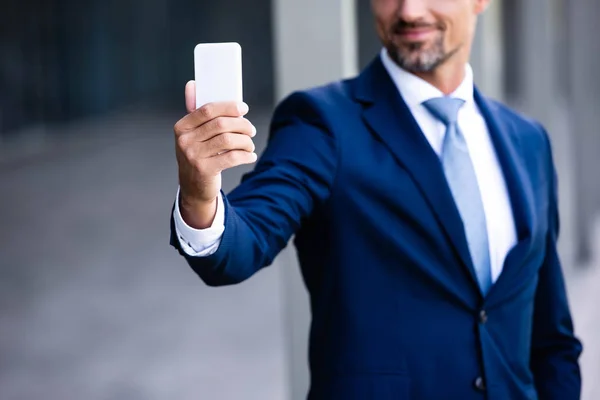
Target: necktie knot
<point>444,108</point>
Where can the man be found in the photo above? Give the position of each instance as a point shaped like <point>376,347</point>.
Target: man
<point>425,219</point>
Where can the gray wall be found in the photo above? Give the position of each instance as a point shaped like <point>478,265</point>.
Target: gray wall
<point>583,64</point>
<point>368,42</point>
<point>64,60</point>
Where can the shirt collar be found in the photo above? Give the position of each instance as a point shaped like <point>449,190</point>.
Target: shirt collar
<point>415,90</point>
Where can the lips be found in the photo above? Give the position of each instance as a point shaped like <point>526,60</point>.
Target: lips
<point>415,34</point>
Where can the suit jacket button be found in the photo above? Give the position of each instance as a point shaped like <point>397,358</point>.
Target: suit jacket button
<point>479,384</point>
<point>483,317</point>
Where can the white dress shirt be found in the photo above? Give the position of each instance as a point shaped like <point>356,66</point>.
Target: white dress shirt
<point>496,202</point>
<point>200,242</point>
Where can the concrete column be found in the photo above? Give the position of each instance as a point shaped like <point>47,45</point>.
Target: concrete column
<point>595,90</point>
<point>369,44</point>
<point>487,53</point>
<point>536,58</point>
<point>539,96</point>
<point>315,42</point>
<point>582,54</point>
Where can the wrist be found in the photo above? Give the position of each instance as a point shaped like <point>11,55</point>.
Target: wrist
<point>197,213</point>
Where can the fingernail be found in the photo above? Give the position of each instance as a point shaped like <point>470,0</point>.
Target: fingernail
<point>243,108</point>
<point>253,130</point>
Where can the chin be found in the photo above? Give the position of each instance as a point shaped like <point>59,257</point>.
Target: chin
<point>416,61</point>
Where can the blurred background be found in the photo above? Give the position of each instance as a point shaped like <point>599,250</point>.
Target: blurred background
<point>94,304</point>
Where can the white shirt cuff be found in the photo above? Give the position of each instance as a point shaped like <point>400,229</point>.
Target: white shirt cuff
<point>200,242</point>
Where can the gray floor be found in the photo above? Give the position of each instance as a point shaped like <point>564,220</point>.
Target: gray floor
<point>94,304</point>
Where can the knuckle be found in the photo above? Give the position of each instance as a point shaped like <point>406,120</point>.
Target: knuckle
<point>233,157</point>
<point>190,156</point>
<point>206,111</point>
<point>197,164</point>
<point>220,123</point>
<point>227,140</point>
<point>178,128</point>
<point>182,141</point>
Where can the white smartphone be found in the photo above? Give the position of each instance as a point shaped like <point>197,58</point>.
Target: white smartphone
<point>218,72</point>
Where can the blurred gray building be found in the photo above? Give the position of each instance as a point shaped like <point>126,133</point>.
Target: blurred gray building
<point>61,61</point>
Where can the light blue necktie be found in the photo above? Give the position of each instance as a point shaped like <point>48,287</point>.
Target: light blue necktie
<point>462,180</point>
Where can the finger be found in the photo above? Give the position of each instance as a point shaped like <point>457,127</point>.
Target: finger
<point>222,125</point>
<point>209,112</point>
<point>231,159</point>
<point>190,96</point>
<point>224,143</point>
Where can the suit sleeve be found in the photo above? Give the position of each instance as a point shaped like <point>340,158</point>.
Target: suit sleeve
<point>555,349</point>
<point>293,176</point>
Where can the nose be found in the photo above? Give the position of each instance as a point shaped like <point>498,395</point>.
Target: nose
<point>411,10</point>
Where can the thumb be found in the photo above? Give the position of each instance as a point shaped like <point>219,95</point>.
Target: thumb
<point>190,96</point>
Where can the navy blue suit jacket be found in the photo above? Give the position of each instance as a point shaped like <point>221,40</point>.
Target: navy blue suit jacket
<point>397,312</point>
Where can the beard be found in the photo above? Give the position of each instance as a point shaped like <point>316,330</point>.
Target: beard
<point>418,56</point>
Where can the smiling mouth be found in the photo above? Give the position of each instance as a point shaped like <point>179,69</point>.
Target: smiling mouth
<point>415,34</point>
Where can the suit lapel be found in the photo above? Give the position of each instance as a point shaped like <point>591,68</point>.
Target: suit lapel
<point>507,145</point>
<point>388,116</point>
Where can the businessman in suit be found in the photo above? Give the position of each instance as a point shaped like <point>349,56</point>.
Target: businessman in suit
<point>425,219</point>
